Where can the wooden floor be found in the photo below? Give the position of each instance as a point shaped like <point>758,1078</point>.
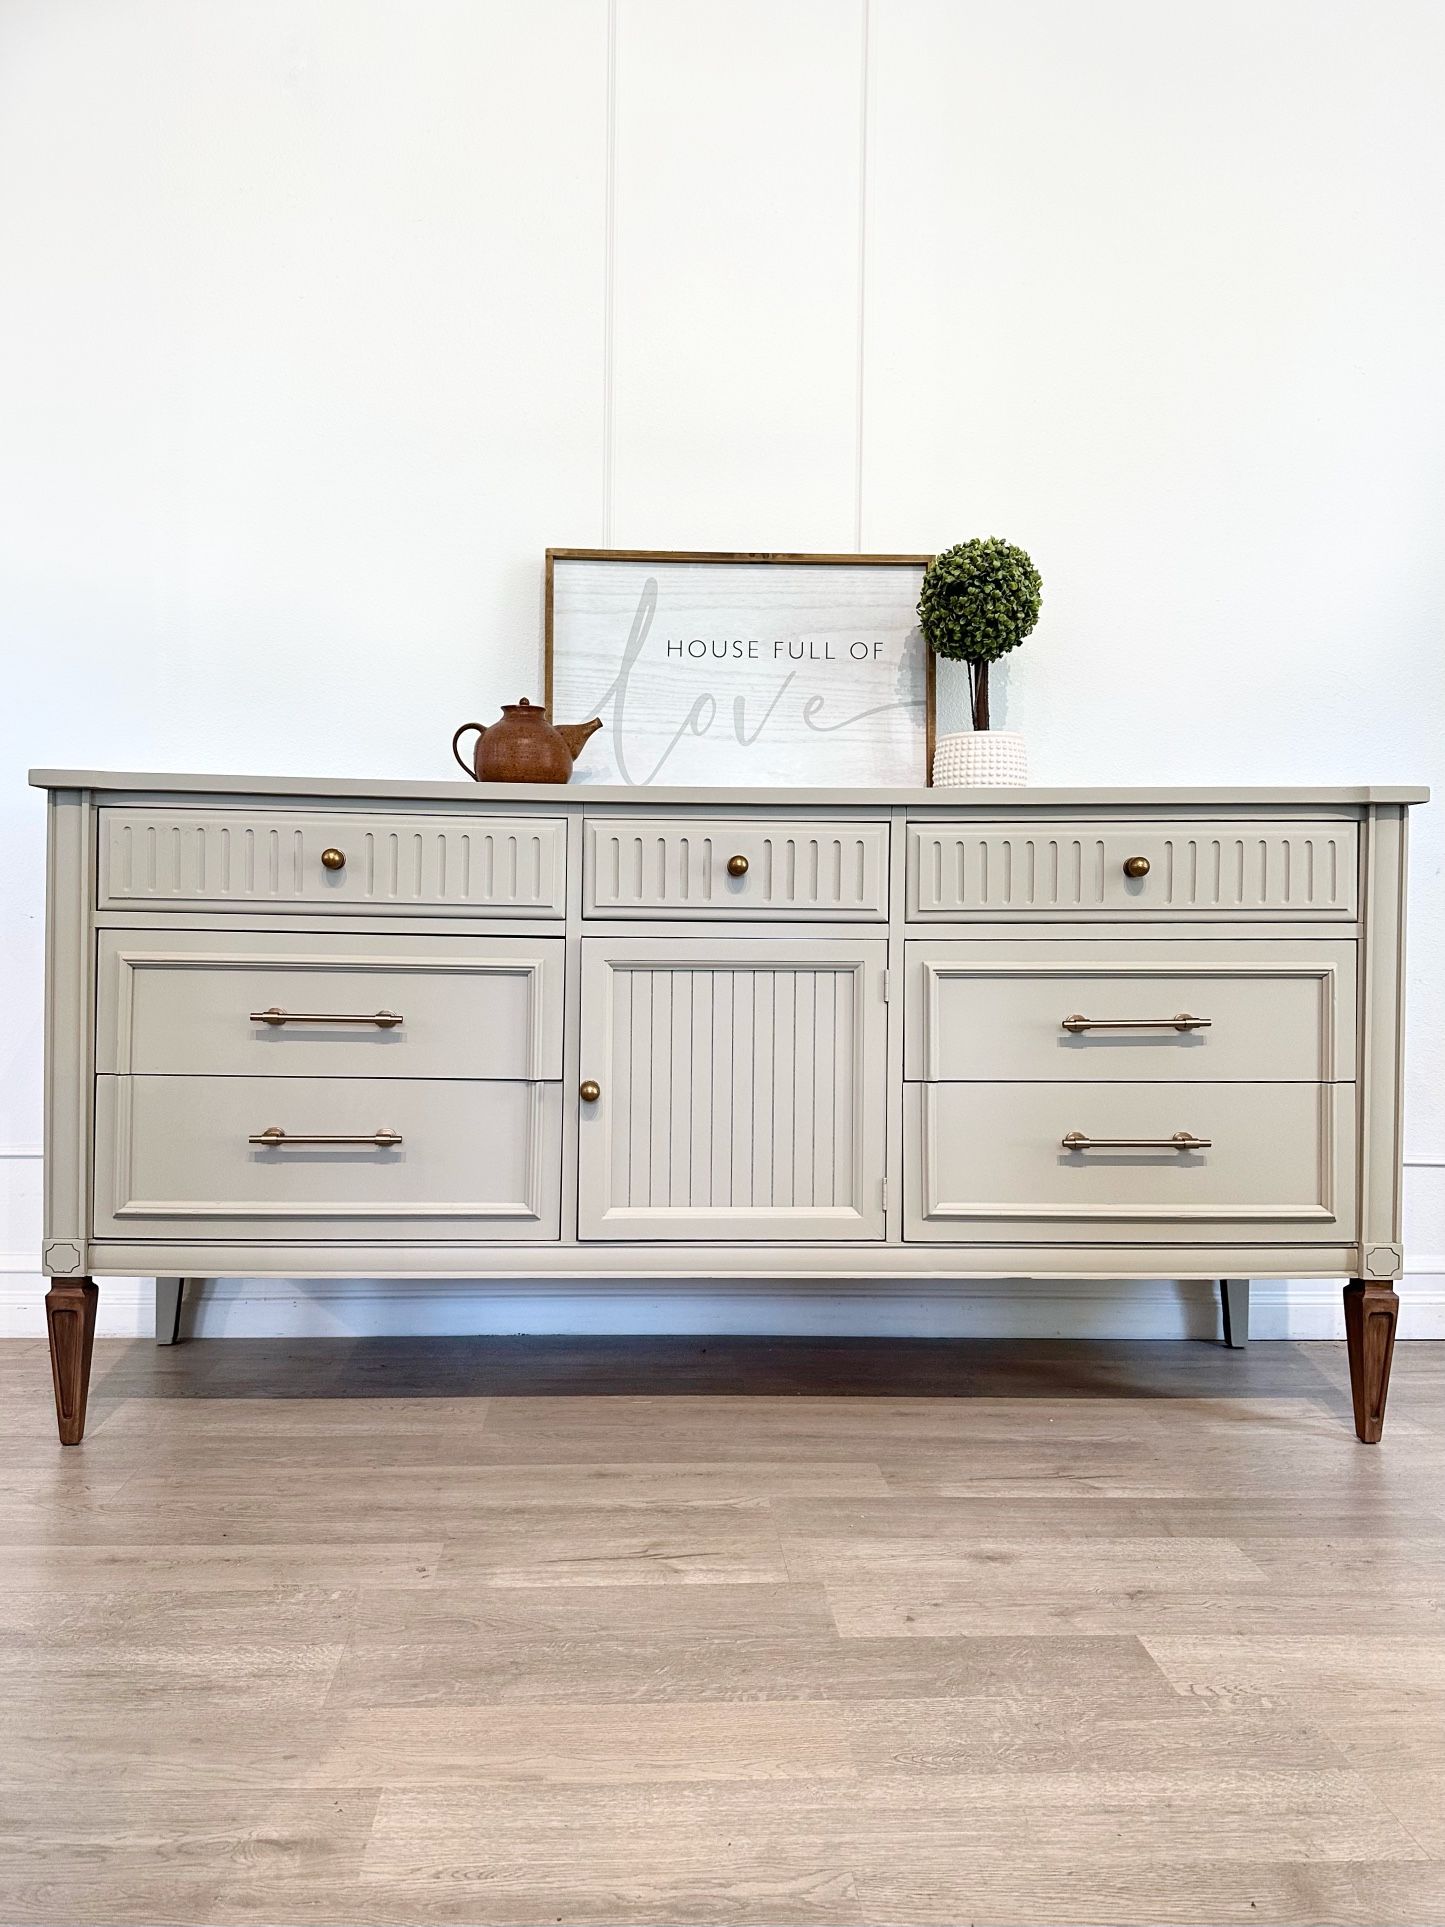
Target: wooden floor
<point>588,1631</point>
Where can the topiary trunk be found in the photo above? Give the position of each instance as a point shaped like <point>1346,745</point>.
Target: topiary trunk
<point>978,676</point>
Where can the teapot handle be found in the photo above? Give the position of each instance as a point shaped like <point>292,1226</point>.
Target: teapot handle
<point>481,729</point>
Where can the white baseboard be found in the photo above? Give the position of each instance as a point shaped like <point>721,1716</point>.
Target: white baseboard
<point>976,1308</point>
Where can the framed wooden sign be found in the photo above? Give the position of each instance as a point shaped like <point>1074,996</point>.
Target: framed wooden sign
<point>742,670</point>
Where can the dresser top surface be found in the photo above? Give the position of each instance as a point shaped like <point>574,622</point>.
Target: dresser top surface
<point>582,795</point>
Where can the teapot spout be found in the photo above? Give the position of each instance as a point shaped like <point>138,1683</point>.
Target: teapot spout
<point>574,735</point>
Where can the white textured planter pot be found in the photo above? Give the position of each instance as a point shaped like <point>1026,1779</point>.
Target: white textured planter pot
<point>980,759</point>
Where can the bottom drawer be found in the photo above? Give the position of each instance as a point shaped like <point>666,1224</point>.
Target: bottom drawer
<point>987,1161</point>
<point>173,1158</point>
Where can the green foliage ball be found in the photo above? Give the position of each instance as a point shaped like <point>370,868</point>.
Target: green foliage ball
<point>980,599</point>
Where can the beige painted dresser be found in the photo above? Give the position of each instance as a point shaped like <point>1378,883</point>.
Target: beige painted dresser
<point>430,1030</point>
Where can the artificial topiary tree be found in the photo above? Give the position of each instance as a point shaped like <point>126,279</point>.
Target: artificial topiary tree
<point>980,599</point>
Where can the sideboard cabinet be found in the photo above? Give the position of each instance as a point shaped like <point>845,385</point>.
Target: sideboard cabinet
<point>432,1030</point>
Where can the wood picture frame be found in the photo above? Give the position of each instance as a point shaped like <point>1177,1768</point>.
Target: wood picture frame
<point>852,634</point>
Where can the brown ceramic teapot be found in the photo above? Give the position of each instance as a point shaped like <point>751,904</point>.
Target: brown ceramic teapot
<point>525,746</point>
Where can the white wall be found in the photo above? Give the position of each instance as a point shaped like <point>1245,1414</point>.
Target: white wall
<point>322,318</point>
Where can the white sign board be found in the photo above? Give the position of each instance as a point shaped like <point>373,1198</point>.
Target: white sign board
<point>741,671</point>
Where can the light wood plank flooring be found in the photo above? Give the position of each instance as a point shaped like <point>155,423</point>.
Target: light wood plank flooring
<point>693,1631</point>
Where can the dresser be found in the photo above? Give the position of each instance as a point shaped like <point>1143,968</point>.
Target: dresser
<point>428,1030</point>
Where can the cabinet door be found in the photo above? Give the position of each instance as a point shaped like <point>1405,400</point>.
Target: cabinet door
<point>742,1089</point>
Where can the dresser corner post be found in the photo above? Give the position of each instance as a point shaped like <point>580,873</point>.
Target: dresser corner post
<point>70,1324</point>
<point>1371,1310</point>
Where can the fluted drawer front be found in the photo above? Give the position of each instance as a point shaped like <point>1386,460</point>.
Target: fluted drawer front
<point>1118,1009</point>
<point>283,1004</point>
<point>278,860</point>
<point>638,867</point>
<point>474,1161</point>
<point>988,1162</point>
<point>1193,869</point>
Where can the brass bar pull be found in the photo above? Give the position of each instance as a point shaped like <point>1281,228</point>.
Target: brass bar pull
<point>1181,1141</point>
<point>275,1137</point>
<point>1181,1021</point>
<point>383,1019</point>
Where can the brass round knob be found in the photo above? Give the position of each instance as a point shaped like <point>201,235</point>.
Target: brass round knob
<point>333,859</point>
<point>1136,866</point>
<point>589,1090</point>
<point>737,866</point>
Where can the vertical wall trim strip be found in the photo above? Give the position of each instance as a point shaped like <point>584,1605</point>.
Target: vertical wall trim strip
<point>862,261</point>
<point>609,276</point>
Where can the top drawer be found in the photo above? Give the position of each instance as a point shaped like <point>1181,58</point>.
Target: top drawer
<point>273,860</point>
<point>1189,869</point>
<point>732,867</point>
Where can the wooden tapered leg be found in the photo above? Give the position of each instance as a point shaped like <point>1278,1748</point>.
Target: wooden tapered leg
<point>1371,1309</point>
<point>70,1320</point>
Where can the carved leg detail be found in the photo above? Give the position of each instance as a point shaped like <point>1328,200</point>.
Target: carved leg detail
<point>1371,1309</point>
<point>70,1320</point>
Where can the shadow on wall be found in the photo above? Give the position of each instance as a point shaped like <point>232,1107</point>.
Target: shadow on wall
<point>437,1308</point>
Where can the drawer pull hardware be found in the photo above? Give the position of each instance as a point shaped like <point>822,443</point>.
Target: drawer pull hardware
<point>589,1090</point>
<point>1136,866</point>
<point>333,859</point>
<point>737,866</point>
<point>383,1019</point>
<point>1181,1141</point>
<point>274,1136</point>
<point>1181,1021</point>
